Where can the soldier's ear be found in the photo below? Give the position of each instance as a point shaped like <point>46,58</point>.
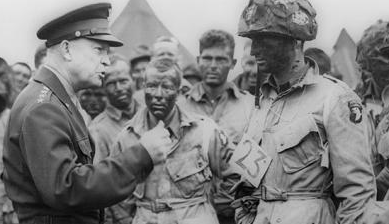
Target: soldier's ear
<point>64,48</point>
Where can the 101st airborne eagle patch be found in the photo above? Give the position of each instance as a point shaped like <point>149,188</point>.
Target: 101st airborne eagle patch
<point>355,112</point>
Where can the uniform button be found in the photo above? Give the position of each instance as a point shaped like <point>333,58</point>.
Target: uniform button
<point>282,144</point>
<point>200,164</point>
<point>278,220</point>
<point>177,175</point>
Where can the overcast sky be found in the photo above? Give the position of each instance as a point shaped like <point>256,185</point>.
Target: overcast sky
<point>187,19</point>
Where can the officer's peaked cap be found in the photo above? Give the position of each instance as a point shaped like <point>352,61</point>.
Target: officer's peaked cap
<point>90,22</point>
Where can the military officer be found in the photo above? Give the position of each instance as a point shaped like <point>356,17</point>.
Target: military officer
<point>311,128</point>
<point>176,191</point>
<point>48,153</point>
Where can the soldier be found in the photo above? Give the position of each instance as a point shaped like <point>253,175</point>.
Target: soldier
<point>92,100</point>
<point>7,214</point>
<point>308,134</point>
<point>21,74</point>
<point>120,108</point>
<point>221,101</point>
<point>138,65</point>
<point>48,171</point>
<point>177,190</point>
<point>373,58</point>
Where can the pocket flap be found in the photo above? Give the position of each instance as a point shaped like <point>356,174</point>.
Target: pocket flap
<point>139,191</point>
<point>293,133</point>
<point>186,166</point>
<point>85,147</point>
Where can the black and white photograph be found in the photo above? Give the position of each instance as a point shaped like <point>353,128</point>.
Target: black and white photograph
<point>194,112</point>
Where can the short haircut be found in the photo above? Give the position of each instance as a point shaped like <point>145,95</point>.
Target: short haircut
<point>321,58</point>
<point>40,53</point>
<point>165,65</point>
<point>23,64</point>
<point>217,38</point>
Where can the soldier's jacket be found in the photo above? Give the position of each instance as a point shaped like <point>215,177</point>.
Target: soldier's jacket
<point>180,185</point>
<point>231,112</point>
<point>47,159</point>
<point>314,132</point>
<point>105,128</point>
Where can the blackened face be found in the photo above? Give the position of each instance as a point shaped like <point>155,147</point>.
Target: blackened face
<point>92,100</point>
<point>161,92</point>
<point>273,54</point>
<point>380,68</point>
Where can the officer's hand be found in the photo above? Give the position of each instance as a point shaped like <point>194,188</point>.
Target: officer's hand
<point>157,142</point>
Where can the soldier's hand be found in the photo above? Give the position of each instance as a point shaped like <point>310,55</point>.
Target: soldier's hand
<point>157,142</point>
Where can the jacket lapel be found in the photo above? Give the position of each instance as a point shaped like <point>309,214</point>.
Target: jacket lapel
<point>49,79</point>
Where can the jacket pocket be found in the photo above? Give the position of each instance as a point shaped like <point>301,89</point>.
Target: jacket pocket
<point>299,144</point>
<point>139,191</point>
<point>189,173</point>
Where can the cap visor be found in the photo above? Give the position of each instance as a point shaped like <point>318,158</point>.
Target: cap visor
<point>110,39</point>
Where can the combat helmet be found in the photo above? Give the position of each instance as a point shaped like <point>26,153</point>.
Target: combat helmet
<point>374,45</point>
<point>292,18</point>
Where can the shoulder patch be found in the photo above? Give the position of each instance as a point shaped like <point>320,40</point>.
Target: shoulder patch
<point>355,111</point>
<point>42,95</point>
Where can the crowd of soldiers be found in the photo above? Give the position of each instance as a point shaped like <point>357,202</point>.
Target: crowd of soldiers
<point>94,137</point>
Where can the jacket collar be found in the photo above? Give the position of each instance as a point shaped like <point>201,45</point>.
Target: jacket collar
<point>198,93</point>
<point>309,76</point>
<point>49,79</point>
<point>117,114</point>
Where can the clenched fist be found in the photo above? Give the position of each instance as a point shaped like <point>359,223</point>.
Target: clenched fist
<point>157,142</point>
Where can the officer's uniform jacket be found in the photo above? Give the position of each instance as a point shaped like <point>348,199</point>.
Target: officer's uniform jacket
<point>177,191</point>
<point>105,128</point>
<point>231,112</point>
<point>315,134</point>
<point>47,152</point>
